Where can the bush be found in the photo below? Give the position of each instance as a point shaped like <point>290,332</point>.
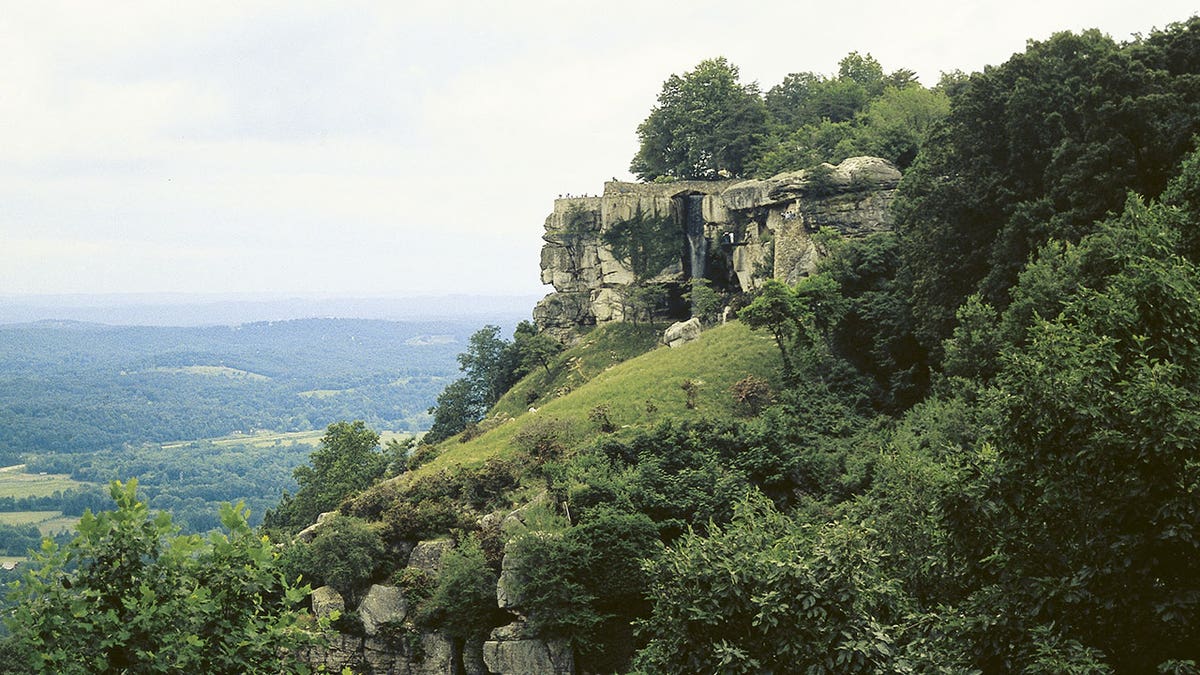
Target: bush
<point>346,553</point>
<point>546,438</point>
<point>751,394</point>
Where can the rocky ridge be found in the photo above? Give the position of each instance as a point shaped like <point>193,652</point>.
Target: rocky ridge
<point>735,234</point>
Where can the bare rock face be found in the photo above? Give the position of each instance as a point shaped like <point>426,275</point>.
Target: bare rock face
<point>511,652</point>
<point>382,605</point>
<point>427,555</point>
<point>761,229</point>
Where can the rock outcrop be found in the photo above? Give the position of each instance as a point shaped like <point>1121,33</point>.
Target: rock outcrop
<point>737,234</point>
<point>682,332</point>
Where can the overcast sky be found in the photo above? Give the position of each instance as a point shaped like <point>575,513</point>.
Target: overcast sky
<point>389,148</point>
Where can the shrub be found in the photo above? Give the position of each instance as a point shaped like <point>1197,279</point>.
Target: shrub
<point>751,394</point>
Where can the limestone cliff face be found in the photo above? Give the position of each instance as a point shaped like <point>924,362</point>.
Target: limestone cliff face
<point>733,233</point>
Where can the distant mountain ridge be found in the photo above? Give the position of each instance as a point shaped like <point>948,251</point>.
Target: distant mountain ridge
<point>204,310</point>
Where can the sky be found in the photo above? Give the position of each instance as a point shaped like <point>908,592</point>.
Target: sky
<point>390,148</point>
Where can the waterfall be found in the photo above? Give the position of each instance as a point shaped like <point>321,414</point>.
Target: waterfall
<point>697,244</point>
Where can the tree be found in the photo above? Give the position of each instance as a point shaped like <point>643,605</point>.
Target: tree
<point>1099,416</point>
<point>706,125</point>
<point>777,309</point>
<point>130,595</point>
<point>768,594</point>
<point>457,406</point>
<point>347,461</point>
<point>487,365</point>
<point>1041,147</point>
<point>345,554</point>
<point>534,348</point>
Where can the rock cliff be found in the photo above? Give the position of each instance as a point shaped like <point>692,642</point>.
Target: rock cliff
<point>736,234</point>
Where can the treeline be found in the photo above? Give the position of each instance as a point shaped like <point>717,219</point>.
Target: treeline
<point>709,125</point>
<point>189,480</point>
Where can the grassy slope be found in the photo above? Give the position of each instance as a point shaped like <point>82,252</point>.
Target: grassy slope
<point>639,392</point>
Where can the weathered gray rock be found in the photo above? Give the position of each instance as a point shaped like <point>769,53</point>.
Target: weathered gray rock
<point>434,656</point>
<point>427,556</point>
<point>309,533</point>
<point>747,222</point>
<point>326,600</point>
<point>682,332</point>
<point>382,604</point>
<point>528,657</point>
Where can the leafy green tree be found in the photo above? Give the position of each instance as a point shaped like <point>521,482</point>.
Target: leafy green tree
<point>1100,412</point>
<point>533,348</point>
<point>706,125</point>
<point>345,554</point>
<point>347,461</point>
<point>777,309</point>
<point>457,406</point>
<point>706,302</point>
<point>1041,147</point>
<point>487,365</point>
<point>129,595</point>
<point>769,594</point>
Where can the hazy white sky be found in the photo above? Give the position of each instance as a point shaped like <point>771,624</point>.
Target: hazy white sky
<point>384,148</point>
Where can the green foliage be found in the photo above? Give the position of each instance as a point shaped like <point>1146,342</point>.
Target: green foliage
<point>128,595</point>
<point>706,303</point>
<point>777,309</point>
<point>647,243</point>
<point>347,461</point>
<point>768,594</point>
<point>871,327</point>
<point>706,124</point>
<point>1041,147</point>
<point>860,112</point>
<point>546,438</point>
<point>346,553</point>
<point>1100,412</point>
<point>491,366</point>
<point>643,302</point>
<point>533,349</point>
<point>463,602</point>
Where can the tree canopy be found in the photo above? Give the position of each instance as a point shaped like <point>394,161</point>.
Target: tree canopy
<point>129,595</point>
<point>705,126</point>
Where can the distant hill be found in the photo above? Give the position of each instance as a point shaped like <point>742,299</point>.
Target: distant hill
<point>69,386</point>
<point>217,310</point>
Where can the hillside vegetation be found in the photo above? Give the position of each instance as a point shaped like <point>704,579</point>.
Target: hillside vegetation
<point>970,445</point>
<point>593,386</point>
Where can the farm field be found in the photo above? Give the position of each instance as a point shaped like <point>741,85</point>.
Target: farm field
<point>16,482</point>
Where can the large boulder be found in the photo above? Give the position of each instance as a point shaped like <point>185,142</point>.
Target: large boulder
<point>427,555</point>
<point>382,605</point>
<point>326,600</point>
<point>682,332</point>
<point>511,652</point>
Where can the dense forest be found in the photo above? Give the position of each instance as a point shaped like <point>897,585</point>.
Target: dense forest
<point>70,387</point>
<point>970,445</point>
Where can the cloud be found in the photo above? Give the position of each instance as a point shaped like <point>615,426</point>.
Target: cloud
<point>387,147</point>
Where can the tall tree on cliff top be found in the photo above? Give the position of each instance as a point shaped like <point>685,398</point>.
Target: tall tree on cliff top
<point>706,125</point>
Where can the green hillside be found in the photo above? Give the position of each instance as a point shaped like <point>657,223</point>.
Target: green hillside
<point>638,393</point>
